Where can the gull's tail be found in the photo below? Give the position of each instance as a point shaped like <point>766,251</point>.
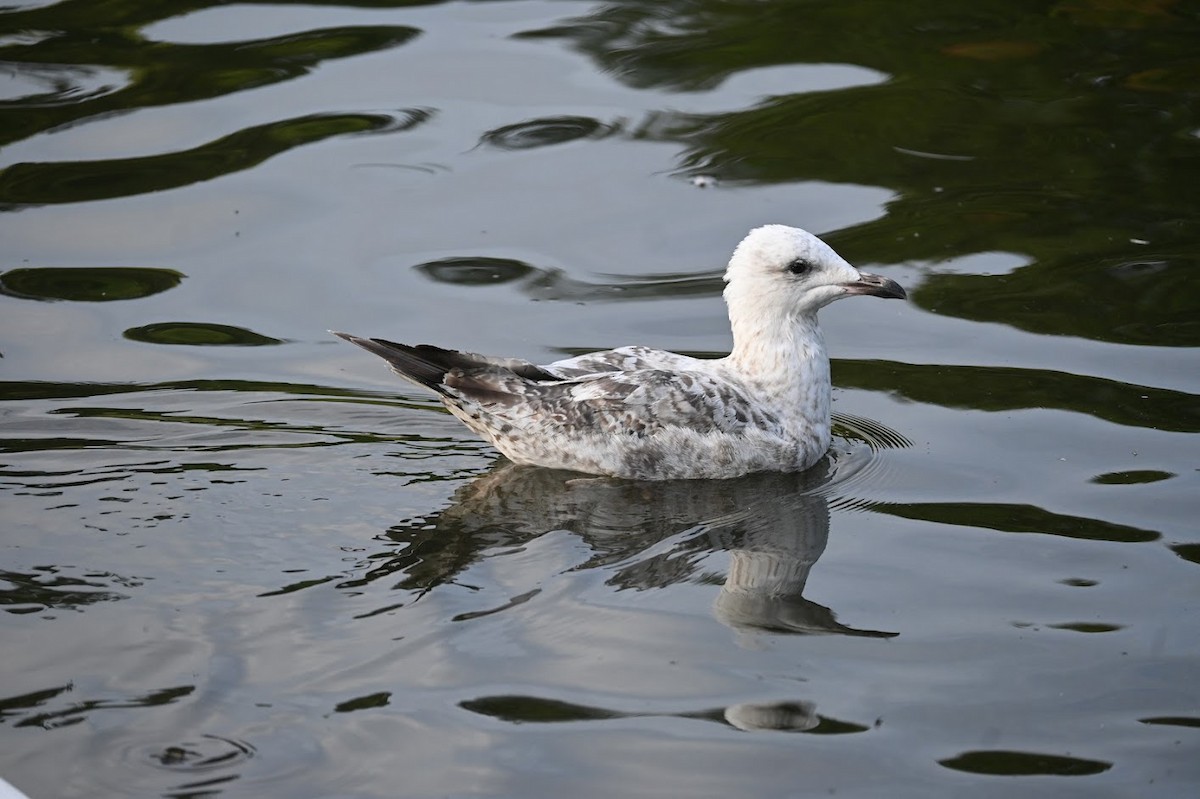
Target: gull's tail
<point>429,366</point>
<point>424,365</point>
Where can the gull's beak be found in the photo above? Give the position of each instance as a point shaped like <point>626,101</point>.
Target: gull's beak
<point>876,286</point>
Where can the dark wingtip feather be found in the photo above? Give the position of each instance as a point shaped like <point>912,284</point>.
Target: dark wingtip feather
<point>404,360</point>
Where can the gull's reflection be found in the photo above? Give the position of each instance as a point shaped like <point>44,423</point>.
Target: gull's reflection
<point>648,535</point>
<point>792,716</point>
<point>747,716</point>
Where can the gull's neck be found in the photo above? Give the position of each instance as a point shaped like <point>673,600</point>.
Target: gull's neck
<point>785,362</point>
<point>767,349</point>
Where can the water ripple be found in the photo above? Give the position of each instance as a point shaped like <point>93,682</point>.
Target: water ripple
<point>46,85</point>
<point>1000,388</point>
<point>79,181</point>
<point>854,459</point>
<point>1023,764</point>
<point>198,334</point>
<point>555,285</point>
<point>1019,518</point>
<point>546,131</point>
<point>81,59</point>
<point>88,283</point>
<point>204,753</point>
<point>198,766</point>
<point>83,709</point>
<point>46,588</point>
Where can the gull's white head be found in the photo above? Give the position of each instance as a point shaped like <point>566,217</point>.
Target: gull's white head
<point>780,271</point>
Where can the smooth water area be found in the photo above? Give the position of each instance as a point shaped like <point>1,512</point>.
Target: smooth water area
<point>238,558</point>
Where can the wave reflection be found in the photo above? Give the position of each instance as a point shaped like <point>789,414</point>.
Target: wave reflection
<point>85,67</point>
<point>79,181</point>
<point>794,716</point>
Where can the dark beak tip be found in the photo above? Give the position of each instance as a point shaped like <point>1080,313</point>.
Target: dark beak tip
<point>878,286</point>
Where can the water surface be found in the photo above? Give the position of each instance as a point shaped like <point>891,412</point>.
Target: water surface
<point>239,558</point>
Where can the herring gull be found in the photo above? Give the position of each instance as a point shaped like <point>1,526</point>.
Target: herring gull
<point>646,414</point>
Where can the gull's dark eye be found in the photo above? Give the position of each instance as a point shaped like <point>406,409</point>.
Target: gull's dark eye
<point>800,267</point>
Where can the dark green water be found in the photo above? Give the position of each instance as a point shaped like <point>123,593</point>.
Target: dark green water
<point>237,558</point>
